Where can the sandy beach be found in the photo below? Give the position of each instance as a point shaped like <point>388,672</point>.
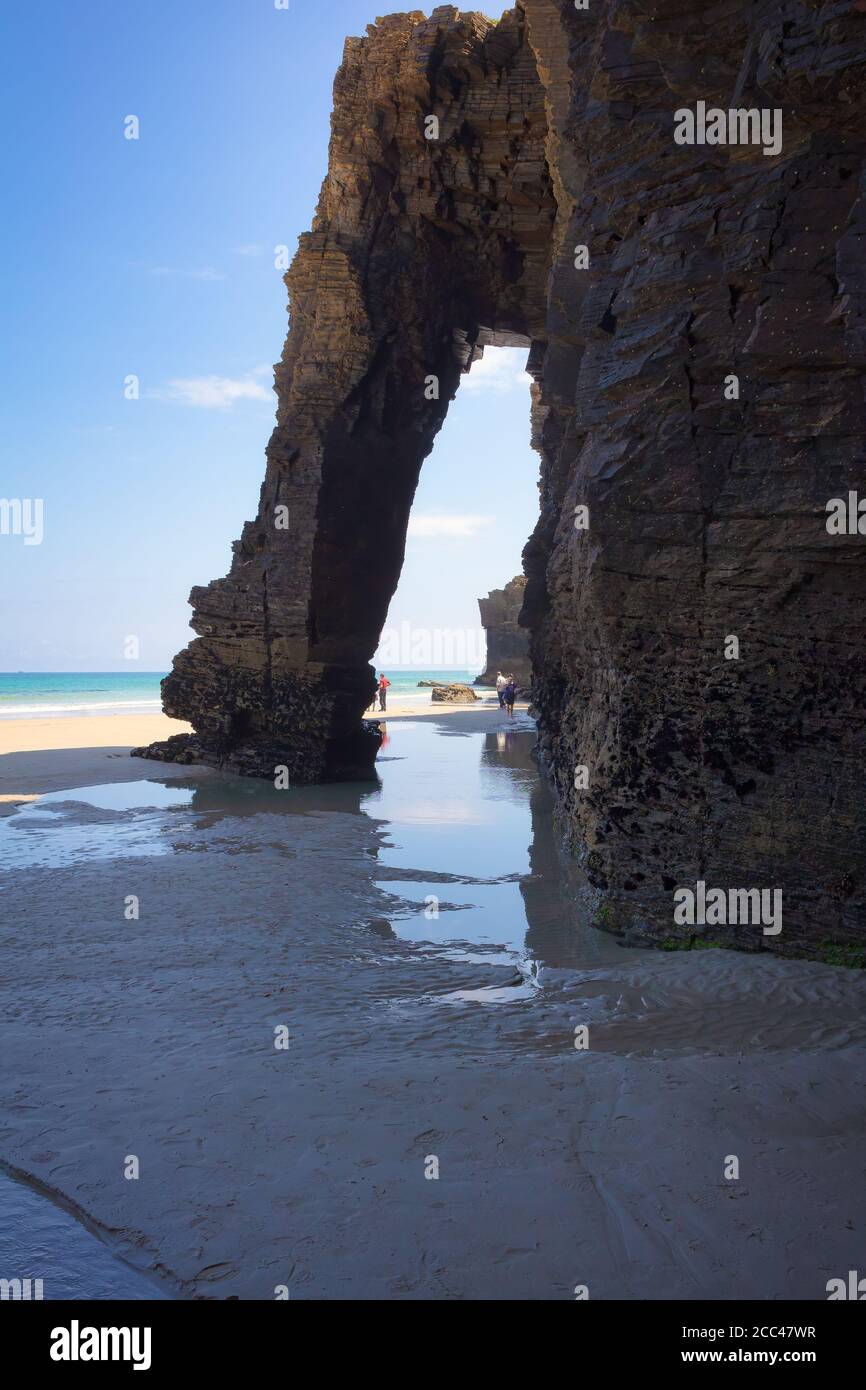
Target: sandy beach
<point>41,755</point>
<point>409,1040</point>
<point>90,747</point>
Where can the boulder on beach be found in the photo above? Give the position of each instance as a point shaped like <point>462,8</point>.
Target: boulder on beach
<point>453,694</point>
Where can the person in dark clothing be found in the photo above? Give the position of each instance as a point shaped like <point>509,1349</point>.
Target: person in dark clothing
<point>510,694</point>
<point>383,691</point>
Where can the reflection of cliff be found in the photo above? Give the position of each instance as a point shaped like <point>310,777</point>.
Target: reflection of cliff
<point>507,641</point>
<point>219,798</point>
<point>554,914</point>
<point>556,896</point>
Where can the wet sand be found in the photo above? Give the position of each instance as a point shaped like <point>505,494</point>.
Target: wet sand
<point>411,1038</point>
<point>44,754</point>
<point>39,755</point>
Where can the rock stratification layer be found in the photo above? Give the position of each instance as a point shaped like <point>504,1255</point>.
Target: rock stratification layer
<point>507,641</point>
<point>695,318</point>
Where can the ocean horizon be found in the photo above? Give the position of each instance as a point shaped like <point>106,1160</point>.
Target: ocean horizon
<point>53,694</point>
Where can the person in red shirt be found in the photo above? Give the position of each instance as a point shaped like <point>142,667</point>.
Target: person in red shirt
<point>383,690</point>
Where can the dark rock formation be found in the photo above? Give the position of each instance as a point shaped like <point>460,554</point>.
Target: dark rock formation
<point>453,695</point>
<point>507,641</point>
<point>422,251</point>
<point>706,514</point>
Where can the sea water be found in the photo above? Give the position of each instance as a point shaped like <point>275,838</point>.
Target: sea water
<point>45,694</point>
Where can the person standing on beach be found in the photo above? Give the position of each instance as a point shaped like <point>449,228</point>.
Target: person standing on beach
<point>383,690</point>
<point>501,683</point>
<point>510,694</point>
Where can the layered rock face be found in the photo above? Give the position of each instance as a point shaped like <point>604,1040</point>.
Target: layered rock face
<point>507,641</point>
<point>706,515</point>
<point>680,509</point>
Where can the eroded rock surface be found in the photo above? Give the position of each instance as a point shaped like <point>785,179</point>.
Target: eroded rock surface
<point>706,514</point>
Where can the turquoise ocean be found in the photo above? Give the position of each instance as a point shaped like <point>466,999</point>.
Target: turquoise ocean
<point>31,695</point>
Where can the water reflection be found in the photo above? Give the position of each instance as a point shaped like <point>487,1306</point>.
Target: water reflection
<point>472,860</point>
<point>149,817</point>
<point>467,853</point>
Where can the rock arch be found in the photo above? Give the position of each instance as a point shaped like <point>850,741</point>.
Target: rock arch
<point>556,129</point>
<point>422,252</point>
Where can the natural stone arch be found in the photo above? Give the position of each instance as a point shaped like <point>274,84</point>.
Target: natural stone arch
<point>422,252</point>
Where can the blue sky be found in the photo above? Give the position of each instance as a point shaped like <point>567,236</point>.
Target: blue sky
<point>155,258</point>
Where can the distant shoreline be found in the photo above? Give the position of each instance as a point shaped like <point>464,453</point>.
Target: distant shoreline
<point>50,695</point>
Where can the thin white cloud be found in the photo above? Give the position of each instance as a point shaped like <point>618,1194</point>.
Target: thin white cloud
<point>205,272</point>
<point>453,525</point>
<point>499,370</point>
<point>215,392</point>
